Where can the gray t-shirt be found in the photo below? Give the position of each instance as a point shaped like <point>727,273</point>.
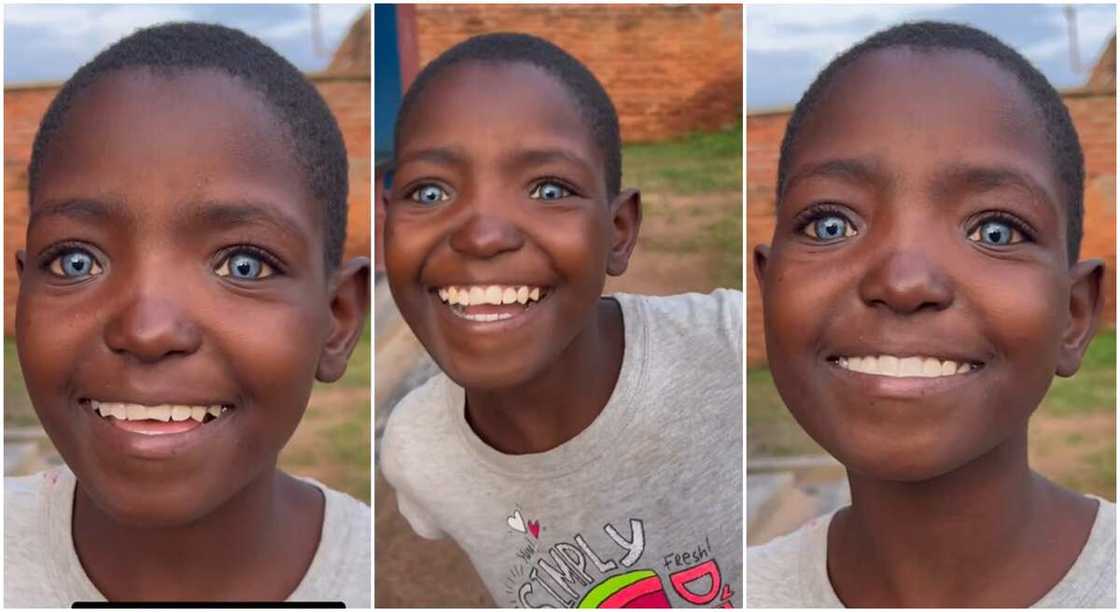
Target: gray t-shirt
<point>644,507</point>
<point>791,571</point>
<point>42,570</point>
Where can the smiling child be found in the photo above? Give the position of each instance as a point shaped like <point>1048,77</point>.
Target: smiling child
<point>922,289</point>
<point>181,290</point>
<point>583,450</point>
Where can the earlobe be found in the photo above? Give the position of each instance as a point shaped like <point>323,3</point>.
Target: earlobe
<point>1085,302</point>
<point>21,255</point>
<point>626,212</point>
<point>349,307</point>
<point>761,257</point>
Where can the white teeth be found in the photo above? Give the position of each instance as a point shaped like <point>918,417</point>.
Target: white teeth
<point>162,412</point>
<point>491,294</point>
<point>904,367</point>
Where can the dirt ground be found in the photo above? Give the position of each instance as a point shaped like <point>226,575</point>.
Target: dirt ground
<point>675,254</point>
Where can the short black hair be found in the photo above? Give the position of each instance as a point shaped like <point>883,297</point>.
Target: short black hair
<point>1065,148</point>
<point>595,105</point>
<point>312,131</point>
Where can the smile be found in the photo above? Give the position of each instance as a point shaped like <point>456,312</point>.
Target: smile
<point>491,303</point>
<point>905,367</point>
<point>159,419</point>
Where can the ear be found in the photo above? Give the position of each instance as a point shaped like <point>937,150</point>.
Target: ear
<point>21,255</point>
<point>1084,312</point>
<point>349,307</point>
<point>761,256</point>
<point>626,219</point>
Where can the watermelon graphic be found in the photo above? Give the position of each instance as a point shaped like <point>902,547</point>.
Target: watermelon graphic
<point>635,589</point>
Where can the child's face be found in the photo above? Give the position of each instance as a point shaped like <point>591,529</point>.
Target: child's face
<point>922,218</point>
<point>173,257</point>
<point>499,187</point>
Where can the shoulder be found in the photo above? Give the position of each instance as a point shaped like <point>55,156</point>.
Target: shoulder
<point>783,572</point>
<point>341,569</point>
<point>692,322</point>
<point>414,422</point>
<point>31,577</point>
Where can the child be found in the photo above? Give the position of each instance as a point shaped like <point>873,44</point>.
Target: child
<point>582,450</point>
<point>180,291</point>
<point>922,289</point>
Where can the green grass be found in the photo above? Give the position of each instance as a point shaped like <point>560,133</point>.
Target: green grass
<point>1093,388</point>
<point>696,164</point>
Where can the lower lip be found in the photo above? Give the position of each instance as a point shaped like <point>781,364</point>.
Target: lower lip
<point>902,387</point>
<point>158,440</point>
<point>519,315</point>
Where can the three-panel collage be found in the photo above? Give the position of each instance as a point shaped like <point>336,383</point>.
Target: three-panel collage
<point>418,306</point>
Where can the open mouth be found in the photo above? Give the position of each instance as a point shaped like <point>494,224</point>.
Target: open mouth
<point>914,366</point>
<point>156,419</point>
<point>491,303</point>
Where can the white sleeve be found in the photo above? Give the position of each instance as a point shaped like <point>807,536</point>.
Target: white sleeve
<point>395,468</point>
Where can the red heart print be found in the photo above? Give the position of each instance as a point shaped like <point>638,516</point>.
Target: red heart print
<point>535,528</point>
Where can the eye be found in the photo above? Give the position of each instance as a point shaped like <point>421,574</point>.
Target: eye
<point>829,228</point>
<point>549,190</point>
<point>242,265</point>
<point>996,233</point>
<point>74,264</point>
<point>429,194</point>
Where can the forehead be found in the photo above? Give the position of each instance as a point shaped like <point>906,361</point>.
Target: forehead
<point>920,110</point>
<point>490,108</point>
<point>151,138</point>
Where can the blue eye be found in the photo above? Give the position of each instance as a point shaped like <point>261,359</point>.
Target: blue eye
<point>429,194</point>
<point>829,228</point>
<point>549,190</point>
<point>245,266</point>
<point>74,264</point>
<point>996,233</point>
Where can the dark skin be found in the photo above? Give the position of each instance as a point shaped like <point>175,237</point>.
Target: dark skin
<point>511,131</point>
<point>161,180</point>
<point>923,216</point>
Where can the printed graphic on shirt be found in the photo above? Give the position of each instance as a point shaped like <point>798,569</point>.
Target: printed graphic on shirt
<point>572,574</point>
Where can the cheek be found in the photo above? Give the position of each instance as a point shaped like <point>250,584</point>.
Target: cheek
<point>799,299</point>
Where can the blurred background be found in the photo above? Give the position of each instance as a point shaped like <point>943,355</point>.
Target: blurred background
<point>675,75</point>
<point>45,44</point>
<point>1073,435</point>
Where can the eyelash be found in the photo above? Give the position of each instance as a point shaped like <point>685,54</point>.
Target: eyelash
<point>55,251</point>
<point>273,262</point>
<point>1016,223</point>
<point>819,211</point>
<point>572,191</point>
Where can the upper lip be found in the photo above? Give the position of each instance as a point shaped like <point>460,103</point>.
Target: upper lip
<point>157,400</point>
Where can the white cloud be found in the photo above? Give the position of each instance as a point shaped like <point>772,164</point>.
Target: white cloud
<point>90,28</point>
<point>822,31</point>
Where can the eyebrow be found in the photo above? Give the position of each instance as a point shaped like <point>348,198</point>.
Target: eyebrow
<point>229,214</point>
<point>444,156</point>
<point>986,178</point>
<point>854,170</point>
<point>540,157</point>
<point>83,210</point>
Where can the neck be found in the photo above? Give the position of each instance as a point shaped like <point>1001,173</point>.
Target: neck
<point>971,537</point>
<point>556,405</point>
<point>249,548</point>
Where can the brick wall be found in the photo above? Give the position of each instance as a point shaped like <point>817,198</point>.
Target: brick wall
<point>347,97</point>
<point>1094,114</point>
<point>670,70</point>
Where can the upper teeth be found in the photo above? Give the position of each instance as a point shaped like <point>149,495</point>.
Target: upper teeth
<point>889,365</point>
<point>162,412</point>
<point>476,295</point>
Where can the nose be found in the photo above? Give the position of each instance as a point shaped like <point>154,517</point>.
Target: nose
<point>150,327</point>
<point>907,282</point>
<point>485,236</point>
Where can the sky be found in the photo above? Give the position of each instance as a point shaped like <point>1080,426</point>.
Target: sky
<point>788,45</point>
<point>48,42</point>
